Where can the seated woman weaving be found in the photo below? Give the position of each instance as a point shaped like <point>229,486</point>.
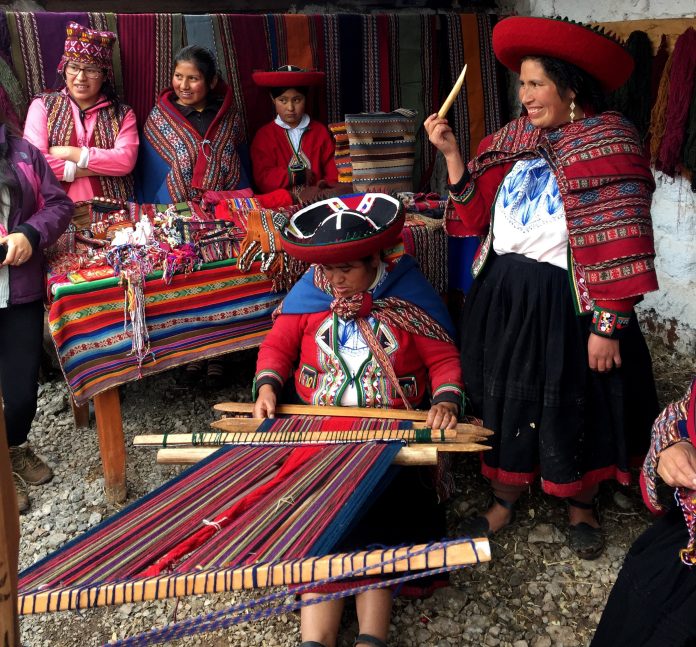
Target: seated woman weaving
<point>363,327</point>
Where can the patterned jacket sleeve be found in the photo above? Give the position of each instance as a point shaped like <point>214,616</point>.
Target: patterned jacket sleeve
<point>36,132</point>
<point>279,352</point>
<point>444,369</point>
<point>669,428</point>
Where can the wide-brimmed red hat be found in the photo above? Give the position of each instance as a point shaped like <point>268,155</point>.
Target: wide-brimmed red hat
<point>597,53</point>
<point>287,76</point>
<point>344,229</point>
<point>88,47</point>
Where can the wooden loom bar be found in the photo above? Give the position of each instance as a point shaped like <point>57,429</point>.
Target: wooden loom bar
<point>312,410</point>
<point>251,424</point>
<point>300,571</point>
<point>345,436</point>
<point>261,438</point>
<point>411,455</point>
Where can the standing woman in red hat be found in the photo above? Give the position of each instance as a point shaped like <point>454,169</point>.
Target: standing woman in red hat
<point>554,360</point>
<point>357,330</point>
<point>293,151</point>
<point>88,136</point>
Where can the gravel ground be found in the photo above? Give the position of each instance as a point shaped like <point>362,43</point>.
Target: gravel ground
<point>534,593</point>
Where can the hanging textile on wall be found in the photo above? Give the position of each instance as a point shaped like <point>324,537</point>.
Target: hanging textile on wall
<point>372,62</point>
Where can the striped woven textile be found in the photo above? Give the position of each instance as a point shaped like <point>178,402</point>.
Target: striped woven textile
<point>207,313</point>
<point>382,150</point>
<point>342,152</point>
<point>372,62</point>
<point>240,506</point>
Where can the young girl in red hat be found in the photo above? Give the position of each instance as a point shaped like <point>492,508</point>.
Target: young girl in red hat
<point>293,151</point>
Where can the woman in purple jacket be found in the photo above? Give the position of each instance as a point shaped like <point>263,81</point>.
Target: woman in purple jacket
<point>34,212</point>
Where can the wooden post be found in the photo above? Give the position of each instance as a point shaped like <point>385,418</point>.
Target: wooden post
<point>80,414</point>
<point>112,444</point>
<point>9,545</point>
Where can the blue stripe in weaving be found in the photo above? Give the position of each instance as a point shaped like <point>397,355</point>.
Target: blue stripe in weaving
<point>376,479</point>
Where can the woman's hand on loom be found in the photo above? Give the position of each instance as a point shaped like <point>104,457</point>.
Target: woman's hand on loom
<point>677,465</point>
<point>442,416</point>
<point>265,404</point>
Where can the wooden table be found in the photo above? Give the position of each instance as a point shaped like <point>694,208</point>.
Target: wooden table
<point>210,312</point>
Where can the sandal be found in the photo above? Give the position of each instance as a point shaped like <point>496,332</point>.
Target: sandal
<point>367,639</point>
<point>586,541</point>
<point>311,643</point>
<point>476,525</point>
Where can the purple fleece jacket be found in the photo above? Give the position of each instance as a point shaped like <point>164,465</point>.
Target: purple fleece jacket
<point>42,214</point>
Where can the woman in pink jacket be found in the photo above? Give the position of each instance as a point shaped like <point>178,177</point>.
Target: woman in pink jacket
<point>88,136</point>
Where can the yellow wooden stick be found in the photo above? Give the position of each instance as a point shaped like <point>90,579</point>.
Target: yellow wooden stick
<point>296,571</point>
<point>452,95</point>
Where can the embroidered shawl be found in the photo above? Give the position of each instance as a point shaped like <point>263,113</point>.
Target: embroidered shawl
<point>197,164</point>
<point>61,132</point>
<point>404,299</point>
<point>606,186</point>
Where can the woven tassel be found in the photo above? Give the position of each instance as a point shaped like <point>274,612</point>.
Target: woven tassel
<point>134,311</point>
<point>658,115</point>
<point>633,98</point>
<point>681,87</point>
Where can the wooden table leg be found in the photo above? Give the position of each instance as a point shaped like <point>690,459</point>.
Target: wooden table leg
<point>112,444</point>
<point>80,414</point>
<point>9,546</point>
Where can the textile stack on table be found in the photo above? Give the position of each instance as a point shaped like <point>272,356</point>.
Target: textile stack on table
<point>185,296</point>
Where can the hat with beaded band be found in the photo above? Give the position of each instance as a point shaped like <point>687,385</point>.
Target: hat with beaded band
<point>344,229</point>
<point>88,47</point>
<point>591,49</point>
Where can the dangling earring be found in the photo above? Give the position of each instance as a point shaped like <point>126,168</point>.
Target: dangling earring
<point>572,111</point>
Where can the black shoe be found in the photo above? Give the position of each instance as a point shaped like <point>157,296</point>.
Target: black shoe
<point>586,541</point>
<point>367,639</point>
<point>476,525</point>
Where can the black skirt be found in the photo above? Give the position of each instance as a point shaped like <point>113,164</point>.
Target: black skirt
<point>653,602</point>
<point>525,365</point>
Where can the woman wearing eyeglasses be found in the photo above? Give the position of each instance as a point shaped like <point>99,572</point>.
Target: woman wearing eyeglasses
<point>88,136</point>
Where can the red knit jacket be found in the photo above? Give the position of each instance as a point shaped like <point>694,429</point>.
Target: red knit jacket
<point>305,344</point>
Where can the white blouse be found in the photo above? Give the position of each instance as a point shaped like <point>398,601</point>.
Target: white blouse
<point>529,217</point>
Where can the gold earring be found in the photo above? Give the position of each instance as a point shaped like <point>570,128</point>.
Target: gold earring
<point>572,111</point>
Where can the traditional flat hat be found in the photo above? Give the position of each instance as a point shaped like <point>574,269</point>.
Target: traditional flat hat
<point>592,50</point>
<point>88,47</point>
<point>287,76</point>
<point>344,229</point>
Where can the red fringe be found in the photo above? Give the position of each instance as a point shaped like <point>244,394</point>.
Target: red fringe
<point>680,92</point>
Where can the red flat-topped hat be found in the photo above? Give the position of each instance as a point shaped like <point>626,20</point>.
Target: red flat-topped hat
<point>344,229</point>
<point>88,47</point>
<point>597,53</point>
<point>287,76</point>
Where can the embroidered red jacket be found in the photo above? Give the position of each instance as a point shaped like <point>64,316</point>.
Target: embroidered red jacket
<point>606,186</point>
<point>306,344</point>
